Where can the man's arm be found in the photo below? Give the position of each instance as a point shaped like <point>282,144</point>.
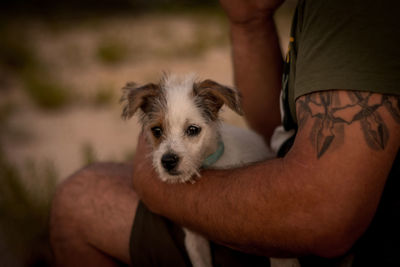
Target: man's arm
<point>257,60</point>
<point>317,200</point>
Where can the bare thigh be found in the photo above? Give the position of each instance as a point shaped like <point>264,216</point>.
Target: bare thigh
<point>92,215</point>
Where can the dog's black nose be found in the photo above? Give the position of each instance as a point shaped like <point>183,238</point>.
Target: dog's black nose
<point>169,161</point>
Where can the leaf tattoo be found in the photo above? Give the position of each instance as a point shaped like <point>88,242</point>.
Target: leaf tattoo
<point>393,106</point>
<point>325,109</point>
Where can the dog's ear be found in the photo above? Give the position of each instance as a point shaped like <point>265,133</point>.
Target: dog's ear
<point>135,97</point>
<point>213,95</point>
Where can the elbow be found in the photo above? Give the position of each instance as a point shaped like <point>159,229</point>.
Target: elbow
<point>317,238</point>
<point>332,246</point>
<point>333,240</point>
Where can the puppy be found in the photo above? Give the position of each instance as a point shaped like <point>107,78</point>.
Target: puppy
<point>179,115</point>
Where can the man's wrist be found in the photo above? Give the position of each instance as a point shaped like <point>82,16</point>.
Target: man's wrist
<point>257,16</point>
<point>253,29</point>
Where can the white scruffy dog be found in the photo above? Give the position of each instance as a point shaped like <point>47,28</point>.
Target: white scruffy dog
<point>180,118</point>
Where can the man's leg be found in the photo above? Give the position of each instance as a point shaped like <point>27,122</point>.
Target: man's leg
<point>92,216</point>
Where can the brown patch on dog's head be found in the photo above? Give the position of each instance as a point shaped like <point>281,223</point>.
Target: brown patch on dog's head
<point>135,97</point>
<point>150,100</point>
<point>210,96</point>
<point>155,141</point>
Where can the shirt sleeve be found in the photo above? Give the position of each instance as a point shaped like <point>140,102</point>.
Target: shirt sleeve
<point>348,44</point>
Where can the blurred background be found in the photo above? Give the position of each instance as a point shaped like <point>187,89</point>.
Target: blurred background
<point>62,64</point>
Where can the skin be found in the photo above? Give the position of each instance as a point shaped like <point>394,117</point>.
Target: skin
<point>301,204</point>
<point>91,216</point>
<point>305,203</point>
<point>257,60</point>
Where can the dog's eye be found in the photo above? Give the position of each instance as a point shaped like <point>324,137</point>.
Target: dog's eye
<point>193,130</point>
<point>157,131</point>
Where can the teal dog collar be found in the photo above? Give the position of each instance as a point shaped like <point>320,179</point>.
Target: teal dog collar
<point>211,159</point>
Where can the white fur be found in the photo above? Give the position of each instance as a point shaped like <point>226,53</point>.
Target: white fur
<point>242,146</point>
<point>181,112</point>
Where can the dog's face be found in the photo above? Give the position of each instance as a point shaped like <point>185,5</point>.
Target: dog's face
<point>180,119</point>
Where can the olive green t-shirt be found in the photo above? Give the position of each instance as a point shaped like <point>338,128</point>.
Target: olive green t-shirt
<point>345,44</point>
<point>350,45</point>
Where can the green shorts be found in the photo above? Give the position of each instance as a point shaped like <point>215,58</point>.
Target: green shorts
<point>157,242</point>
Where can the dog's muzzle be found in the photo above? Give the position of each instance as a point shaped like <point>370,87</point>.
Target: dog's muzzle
<point>169,162</point>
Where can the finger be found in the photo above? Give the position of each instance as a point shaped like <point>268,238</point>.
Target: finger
<point>143,147</point>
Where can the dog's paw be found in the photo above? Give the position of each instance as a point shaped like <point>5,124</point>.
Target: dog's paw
<point>191,181</point>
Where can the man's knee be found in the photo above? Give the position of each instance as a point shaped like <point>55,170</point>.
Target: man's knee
<point>73,200</point>
<point>97,199</point>
<point>68,197</point>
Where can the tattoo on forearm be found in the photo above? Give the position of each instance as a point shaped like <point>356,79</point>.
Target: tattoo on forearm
<point>331,112</point>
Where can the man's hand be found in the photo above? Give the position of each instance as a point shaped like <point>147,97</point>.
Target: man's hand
<point>141,162</point>
<point>145,181</point>
<point>244,11</point>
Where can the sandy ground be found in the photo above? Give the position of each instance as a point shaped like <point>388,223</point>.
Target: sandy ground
<point>156,42</point>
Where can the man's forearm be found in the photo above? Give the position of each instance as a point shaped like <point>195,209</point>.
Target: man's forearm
<point>238,225</point>
<point>258,62</point>
<point>292,206</point>
<point>239,209</point>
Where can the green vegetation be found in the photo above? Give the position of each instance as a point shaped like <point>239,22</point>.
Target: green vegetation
<point>25,197</point>
<point>19,59</point>
<point>45,92</point>
<point>111,52</point>
<point>6,110</point>
<point>104,96</point>
<point>203,38</point>
<point>10,131</point>
<point>24,212</point>
<point>16,55</point>
<point>89,154</point>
